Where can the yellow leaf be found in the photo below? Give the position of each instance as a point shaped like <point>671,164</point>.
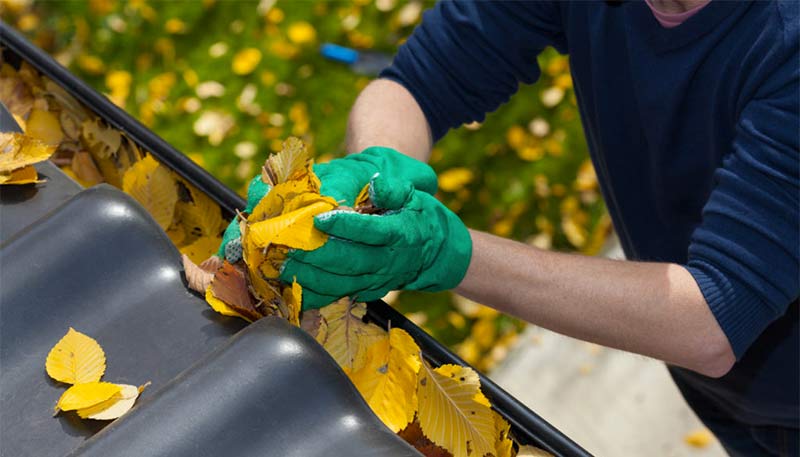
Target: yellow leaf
<point>271,265</point>
<point>531,451</point>
<point>699,438</point>
<point>449,413</point>
<point>104,141</point>
<point>388,380</point>
<point>363,197</point>
<point>348,337</point>
<point>271,205</point>
<point>293,297</point>
<point>220,306</point>
<point>86,395</point>
<point>119,404</point>
<point>76,359</point>
<point>503,444</point>
<point>290,161</point>
<point>202,248</point>
<point>455,179</point>
<point>18,150</point>
<point>201,216</point>
<point>44,126</point>
<point>245,61</point>
<point>152,185</point>
<point>295,229</point>
<point>26,175</point>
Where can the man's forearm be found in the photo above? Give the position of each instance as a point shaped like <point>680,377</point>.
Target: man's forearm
<point>654,309</point>
<point>386,114</point>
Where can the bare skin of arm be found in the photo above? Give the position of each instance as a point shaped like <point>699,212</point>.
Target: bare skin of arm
<point>654,309</point>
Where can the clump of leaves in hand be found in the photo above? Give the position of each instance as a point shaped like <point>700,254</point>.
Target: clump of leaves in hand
<point>282,220</point>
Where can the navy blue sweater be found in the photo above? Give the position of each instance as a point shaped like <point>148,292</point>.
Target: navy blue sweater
<point>693,132</point>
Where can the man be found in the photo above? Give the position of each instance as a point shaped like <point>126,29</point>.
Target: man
<point>693,131</point>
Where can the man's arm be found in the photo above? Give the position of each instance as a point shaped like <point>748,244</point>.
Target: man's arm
<point>654,309</point>
<point>402,127</point>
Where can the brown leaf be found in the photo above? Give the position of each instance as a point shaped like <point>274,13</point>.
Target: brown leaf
<point>230,286</point>
<point>212,264</point>
<point>84,168</point>
<point>311,322</point>
<point>198,278</point>
<point>413,435</point>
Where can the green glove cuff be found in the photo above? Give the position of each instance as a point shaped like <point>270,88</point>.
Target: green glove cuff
<point>344,178</point>
<point>446,266</point>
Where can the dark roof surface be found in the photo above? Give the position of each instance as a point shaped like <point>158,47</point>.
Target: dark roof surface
<point>99,263</point>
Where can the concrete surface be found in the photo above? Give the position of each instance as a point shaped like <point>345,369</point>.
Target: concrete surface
<point>610,402</point>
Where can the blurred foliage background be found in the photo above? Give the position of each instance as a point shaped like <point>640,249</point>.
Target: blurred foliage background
<point>226,82</point>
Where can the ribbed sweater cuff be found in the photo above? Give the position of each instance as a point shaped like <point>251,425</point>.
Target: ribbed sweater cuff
<point>740,313</point>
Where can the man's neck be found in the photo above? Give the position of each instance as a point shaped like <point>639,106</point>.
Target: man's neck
<point>676,6</point>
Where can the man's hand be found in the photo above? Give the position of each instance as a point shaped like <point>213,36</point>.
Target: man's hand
<point>341,179</point>
<point>417,244</point>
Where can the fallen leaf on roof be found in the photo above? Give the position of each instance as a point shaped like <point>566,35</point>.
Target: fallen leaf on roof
<point>198,278</point>
<point>449,413</point>
<point>86,395</point>
<point>44,126</point>
<point>18,152</point>
<point>348,336</point>
<point>388,379</point>
<point>76,358</point>
<point>119,404</point>
<point>152,185</point>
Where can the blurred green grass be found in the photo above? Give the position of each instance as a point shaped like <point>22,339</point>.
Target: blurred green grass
<point>179,67</point>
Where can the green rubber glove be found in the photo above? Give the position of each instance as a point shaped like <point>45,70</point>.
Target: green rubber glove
<point>344,178</point>
<point>231,247</point>
<point>418,244</point>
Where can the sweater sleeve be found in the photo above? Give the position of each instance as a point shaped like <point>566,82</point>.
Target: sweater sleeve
<point>467,58</point>
<point>744,255</point>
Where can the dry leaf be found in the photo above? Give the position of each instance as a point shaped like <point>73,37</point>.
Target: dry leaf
<point>412,434</point>
<point>230,286</point>
<point>388,379</point>
<point>198,278</point>
<point>18,150</point>
<point>44,126</point>
<point>220,306</point>
<point>26,175</point>
<point>14,93</point>
<point>153,186</point>
<point>200,216</point>
<point>102,140</point>
<point>290,161</point>
<point>202,248</point>
<point>449,413</point>
<point>84,168</point>
<point>348,337</point>
<point>295,229</point>
<point>312,323</point>
<point>86,395</point>
<point>76,358</point>
<point>293,298</point>
<point>119,404</point>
